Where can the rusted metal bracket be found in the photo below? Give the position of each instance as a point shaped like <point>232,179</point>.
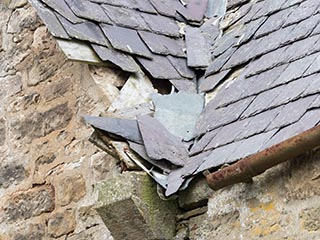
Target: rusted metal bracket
<point>256,164</point>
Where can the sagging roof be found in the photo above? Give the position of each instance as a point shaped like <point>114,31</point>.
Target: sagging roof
<point>260,87</point>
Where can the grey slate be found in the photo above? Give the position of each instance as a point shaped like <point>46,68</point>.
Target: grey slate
<point>122,60</point>
<point>159,67</point>
<point>194,10</point>
<point>181,65</point>
<point>86,31</point>
<point>185,85</point>
<point>197,48</point>
<point>178,112</point>
<point>212,81</point>
<point>160,143</point>
<point>125,17</point>
<point>61,7</point>
<point>165,7</point>
<point>143,6</point>
<point>125,128</point>
<point>126,40</point>
<point>162,44</point>
<point>88,10</point>
<point>161,25</point>
<point>200,144</point>
<point>50,19</point>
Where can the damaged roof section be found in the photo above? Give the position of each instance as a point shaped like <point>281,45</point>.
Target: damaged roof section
<point>133,35</point>
<point>246,72</point>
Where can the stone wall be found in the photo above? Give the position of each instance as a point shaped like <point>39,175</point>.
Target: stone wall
<point>48,167</point>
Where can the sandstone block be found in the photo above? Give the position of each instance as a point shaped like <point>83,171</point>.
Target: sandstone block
<point>27,204</point>
<point>61,222</point>
<point>131,209</point>
<point>30,231</point>
<point>70,189</point>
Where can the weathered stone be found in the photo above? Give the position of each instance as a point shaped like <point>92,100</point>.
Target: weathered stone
<point>39,124</point>
<point>99,232</point>
<point>11,174</point>
<point>103,166</point>
<point>24,102</point>
<point>310,219</point>
<point>131,209</point>
<point>2,132</point>
<point>31,231</point>
<point>22,18</point>
<point>27,204</point>
<point>57,90</point>
<point>70,189</point>
<point>196,195</point>
<point>10,85</point>
<point>61,222</point>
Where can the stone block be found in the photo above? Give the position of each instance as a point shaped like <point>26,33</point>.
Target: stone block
<point>70,189</point>
<point>27,204</point>
<point>29,231</point>
<point>196,195</point>
<point>11,174</point>
<point>61,223</point>
<point>131,209</point>
<point>2,132</point>
<point>310,219</point>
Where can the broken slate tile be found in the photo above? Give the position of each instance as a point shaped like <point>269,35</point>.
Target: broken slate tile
<point>50,19</point>
<point>87,31</point>
<point>165,7</point>
<point>178,112</point>
<point>197,48</point>
<point>185,85</point>
<point>88,10</point>
<point>194,10</point>
<point>125,17</point>
<point>61,7</point>
<point>124,61</point>
<point>163,45</point>
<point>160,143</point>
<point>141,151</point>
<point>200,144</point>
<point>180,64</point>
<point>126,40</point>
<point>159,67</point>
<point>128,129</point>
<point>161,25</point>
<point>212,81</point>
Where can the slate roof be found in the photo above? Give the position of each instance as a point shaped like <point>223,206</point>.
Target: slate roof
<point>261,63</point>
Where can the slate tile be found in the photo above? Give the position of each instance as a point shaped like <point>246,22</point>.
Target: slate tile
<point>259,123</point>
<point>61,7</point>
<point>160,143</point>
<point>212,118</point>
<point>88,10</point>
<point>218,157</point>
<point>87,31</point>
<point>263,101</point>
<point>128,129</point>
<point>163,45</point>
<point>200,144</point>
<point>291,112</point>
<point>216,8</point>
<point>269,7</point>
<point>210,31</point>
<point>217,63</point>
<point>315,103</point>
<point>304,11</point>
<point>194,10</point>
<point>314,87</point>
<point>241,13</point>
<point>251,28</point>
<point>159,67</point>
<point>178,112</point>
<point>185,85</point>
<point>251,145</point>
<point>261,82</point>
<point>308,121</point>
<point>253,11</point>
<point>126,40</point>
<point>141,151</point>
<point>268,61</point>
<point>193,163</point>
<point>315,66</point>
<point>290,3</point>
<point>124,61</point>
<point>212,81</point>
<point>227,134</point>
<point>175,181</point>
<point>235,3</point>
<point>197,48</point>
<point>165,7</point>
<point>227,41</point>
<point>143,6</point>
<point>295,70</point>
<point>50,19</point>
<point>180,64</point>
<point>161,25</point>
<point>274,22</point>
<point>125,17</point>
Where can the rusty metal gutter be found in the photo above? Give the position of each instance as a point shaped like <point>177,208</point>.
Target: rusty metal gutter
<point>251,166</point>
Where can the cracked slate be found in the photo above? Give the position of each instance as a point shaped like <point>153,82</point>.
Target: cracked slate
<point>128,129</point>
<point>160,143</point>
<point>179,118</point>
